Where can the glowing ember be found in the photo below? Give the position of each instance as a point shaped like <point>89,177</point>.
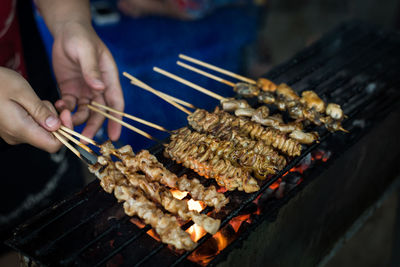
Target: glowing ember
<point>275,185</point>
<point>222,241</point>
<point>196,205</point>
<point>222,189</point>
<point>178,194</point>
<point>137,222</point>
<point>196,232</point>
<point>153,234</point>
<point>237,221</point>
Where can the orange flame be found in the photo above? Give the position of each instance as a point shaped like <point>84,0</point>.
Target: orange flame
<point>222,241</point>
<point>275,185</point>
<point>153,234</point>
<point>237,221</point>
<point>196,232</point>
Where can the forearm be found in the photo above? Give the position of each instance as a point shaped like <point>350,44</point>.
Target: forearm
<point>57,13</point>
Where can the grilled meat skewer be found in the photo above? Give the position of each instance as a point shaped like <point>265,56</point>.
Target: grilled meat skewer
<point>163,196</point>
<point>147,163</point>
<point>220,124</point>
<point>136,203</point>
<point>201,159</point>
<point>239,154</point>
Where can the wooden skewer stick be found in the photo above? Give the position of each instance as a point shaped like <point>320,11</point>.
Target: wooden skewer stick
<point>69,137</point>
<point>157,93</point>
<point>84,138</point>
<point>177,100</point>
<point>215,68</point>
<point>167,97</point>
<point>124,123</point>
<point>155,126</point>
<point>190,84</point>
<point>137,82</point>
<point>211,76</point>
<point>65,142</point>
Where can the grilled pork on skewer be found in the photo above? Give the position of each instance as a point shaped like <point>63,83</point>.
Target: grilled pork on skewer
<point>136,203</point>
<point>156,172</point>
<point>163,196</point>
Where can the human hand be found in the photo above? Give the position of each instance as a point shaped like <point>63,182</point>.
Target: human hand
<point>85,71</point>
<point>24,118</point>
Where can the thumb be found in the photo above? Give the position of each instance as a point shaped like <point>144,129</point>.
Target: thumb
<point>89,61</point>
<point>40,111</point>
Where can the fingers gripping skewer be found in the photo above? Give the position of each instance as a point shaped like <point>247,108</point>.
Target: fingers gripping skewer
<point>212,67</point>
<point>84,138</point>
<point>158,127</point>
<point>190,84</point>
<point>124,123</point>
<point>69,137</point>
<point>65,142</point>
<point>211,76</point>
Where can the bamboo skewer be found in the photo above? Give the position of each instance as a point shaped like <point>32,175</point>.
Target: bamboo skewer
<point>177,100</point>
<point>166,97</point>
<point>158,127</point>
<point>65,142</point>
<point>215,68</point>
<point>158,93</point>
<point>190,84</point>
<point>69,137</point>
<point>170,99</point>
<point>137,82</point>
<point>84,138</point>
<point>124,123</point>
<point>211,76</point>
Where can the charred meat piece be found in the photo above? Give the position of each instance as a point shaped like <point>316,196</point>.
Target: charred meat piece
<point>231,104</point>
<point>266,85</point>
<point>312,101</point>
<point>246,89</point>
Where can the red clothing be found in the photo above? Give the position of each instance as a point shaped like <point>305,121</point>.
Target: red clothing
<point>11,54</point>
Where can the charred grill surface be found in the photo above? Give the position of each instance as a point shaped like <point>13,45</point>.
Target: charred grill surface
<point>354,66</point>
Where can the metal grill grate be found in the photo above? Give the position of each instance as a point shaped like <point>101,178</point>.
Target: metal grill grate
<point>355,65</point>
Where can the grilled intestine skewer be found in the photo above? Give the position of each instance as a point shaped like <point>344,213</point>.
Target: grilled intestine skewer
<point>309,107</point>
<point>208,164</point>
<point>240,154</point>
<point>223,125</point>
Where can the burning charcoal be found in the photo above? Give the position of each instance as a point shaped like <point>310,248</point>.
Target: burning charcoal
<point>281,190</point>
<point>292,178</point>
